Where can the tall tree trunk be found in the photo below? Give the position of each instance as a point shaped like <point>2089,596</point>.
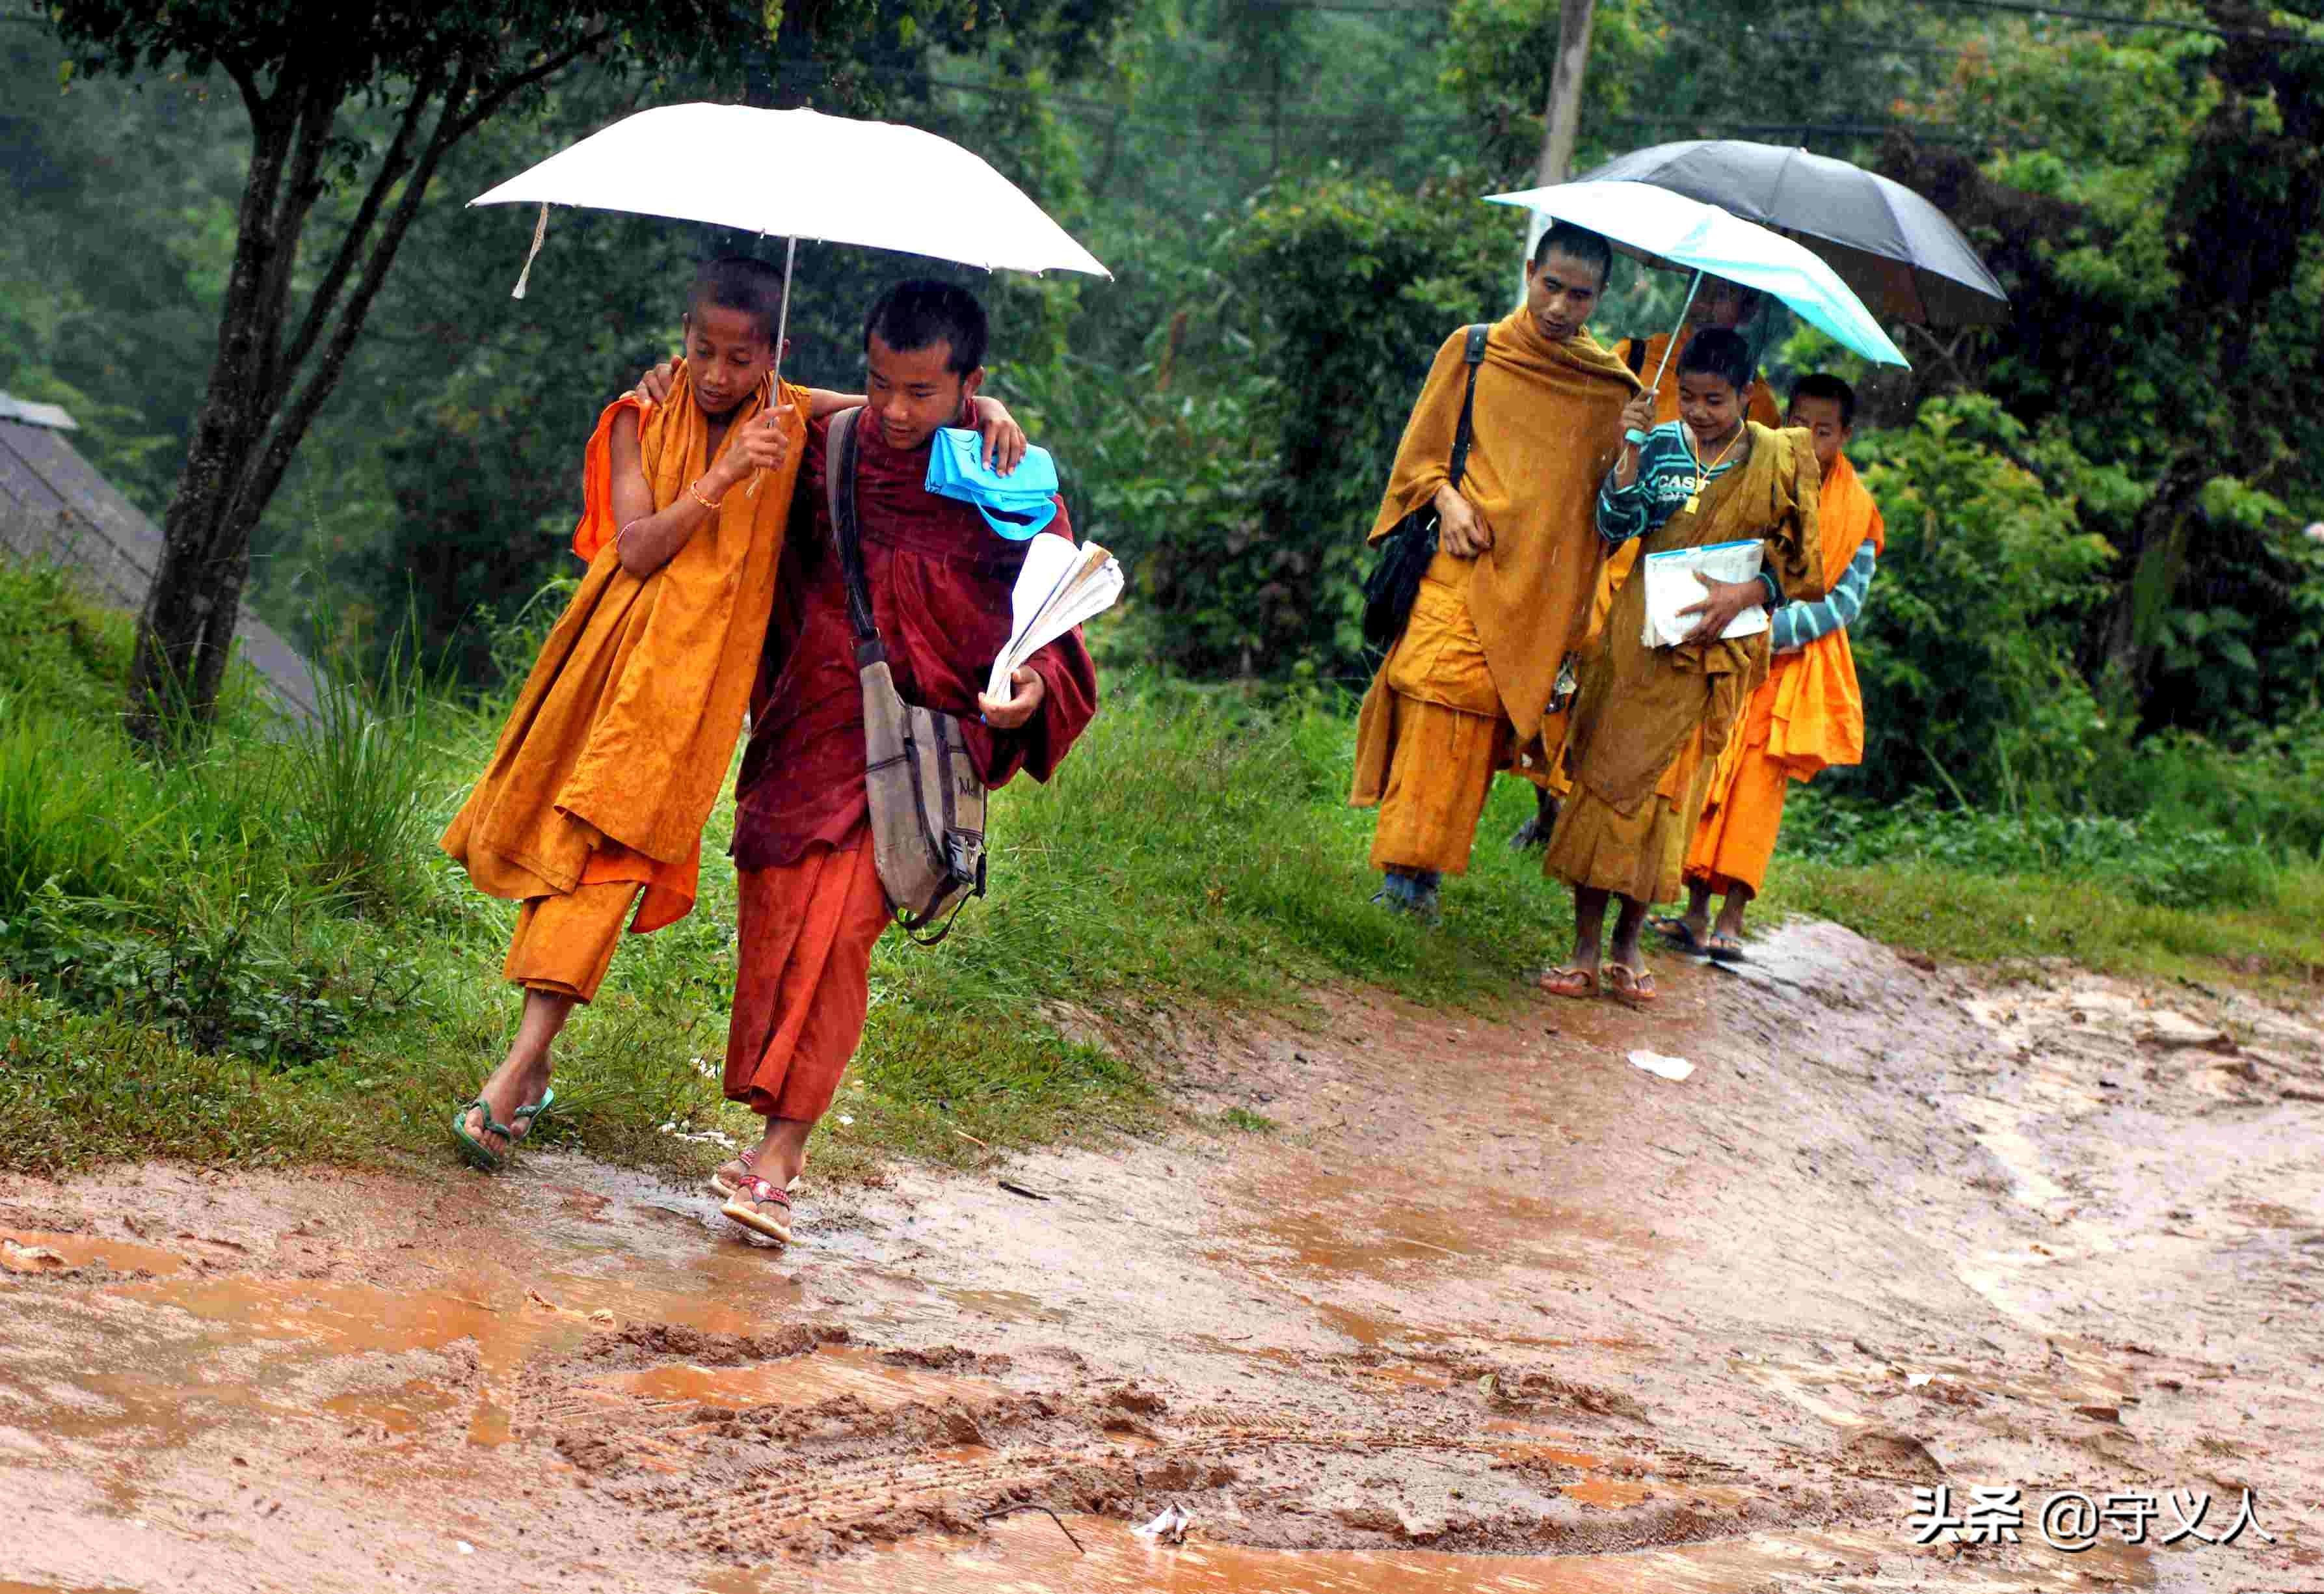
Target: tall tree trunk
<point>180,606</point>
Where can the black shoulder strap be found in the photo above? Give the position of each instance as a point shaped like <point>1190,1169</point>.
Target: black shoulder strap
<point>1462,434</point>
<point>839,488</point>
<point>1635,355</point>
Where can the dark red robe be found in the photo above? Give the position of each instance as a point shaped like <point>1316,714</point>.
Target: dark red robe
<point>941,581</point>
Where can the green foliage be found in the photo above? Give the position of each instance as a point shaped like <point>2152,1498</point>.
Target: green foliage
<point>224,987</point>
<point>1965,646</point>
<point>1358,285</point>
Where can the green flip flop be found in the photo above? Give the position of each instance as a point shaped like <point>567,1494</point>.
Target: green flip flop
<point>477,1153</point>
<point>531,1111</point>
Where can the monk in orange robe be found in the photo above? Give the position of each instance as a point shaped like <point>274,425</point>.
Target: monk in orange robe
<point>939,578</point>
<point>1504,597</point>
<point>1717,304</point>
<point>611,761</point>
<point>1807,715</point>
<point>1650,721</point>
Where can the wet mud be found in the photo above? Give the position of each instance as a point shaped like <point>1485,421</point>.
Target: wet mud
<point>1492,1310</point>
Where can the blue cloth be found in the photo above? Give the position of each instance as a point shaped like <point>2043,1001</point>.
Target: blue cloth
<point>1796,625</point>
<point>1018,506</point>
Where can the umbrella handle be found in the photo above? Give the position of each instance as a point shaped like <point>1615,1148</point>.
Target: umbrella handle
<point>783,334</point>
<point>1671,347</point>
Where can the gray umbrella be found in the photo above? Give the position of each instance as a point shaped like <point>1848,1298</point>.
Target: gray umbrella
<point>1897,251</point>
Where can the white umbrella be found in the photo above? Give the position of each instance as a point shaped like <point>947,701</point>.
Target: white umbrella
<point>801,174</point>
<point>1664,228</point>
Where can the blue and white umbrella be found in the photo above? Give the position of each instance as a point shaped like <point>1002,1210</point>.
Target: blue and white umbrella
<point>1664,228</point>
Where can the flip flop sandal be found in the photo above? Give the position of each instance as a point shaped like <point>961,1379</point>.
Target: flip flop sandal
<point>754,1193</point>
<point>525,1116</point>
<point>1682,935</point>
<point>1632,988</point>
<point>478,1154</point>
<point>1579,984</point>
<point>1725,949</point>
<point>727,1177</point>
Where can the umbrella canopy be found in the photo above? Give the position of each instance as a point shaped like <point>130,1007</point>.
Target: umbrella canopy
<point>1664,228</point>
<point>801,174</point>
<point>1898,252</point>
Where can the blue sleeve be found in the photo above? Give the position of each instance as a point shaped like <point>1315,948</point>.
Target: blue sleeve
<point>1796,625</point>
<point>1622,511</point>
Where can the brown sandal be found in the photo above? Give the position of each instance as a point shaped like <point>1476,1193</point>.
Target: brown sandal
<point>1580,984</point>
<point>1633,987</point>
<point>760,1206</point>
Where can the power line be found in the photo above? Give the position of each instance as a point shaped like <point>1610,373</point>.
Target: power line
<point>2116,20</point>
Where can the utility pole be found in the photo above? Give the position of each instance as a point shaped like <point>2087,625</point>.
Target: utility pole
<point>1561,116</point>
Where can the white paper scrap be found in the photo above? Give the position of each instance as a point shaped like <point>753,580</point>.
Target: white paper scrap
<point>1668,1068</point>
<point>1169,1528</point>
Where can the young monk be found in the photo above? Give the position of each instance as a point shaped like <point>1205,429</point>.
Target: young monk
<point>1718,305</point>
<point>1808,714</point>
<point>940,580</point>
<point>612,759</point>
<point>1649,723</point>
<point>1507,593</point>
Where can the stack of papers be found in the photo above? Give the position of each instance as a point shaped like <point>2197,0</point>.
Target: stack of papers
<point>1671,586</point>
<point>1060,588</point>
<point>1017,505</point>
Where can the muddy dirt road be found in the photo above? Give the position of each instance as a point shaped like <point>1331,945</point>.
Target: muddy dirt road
<point>1494,1309</point>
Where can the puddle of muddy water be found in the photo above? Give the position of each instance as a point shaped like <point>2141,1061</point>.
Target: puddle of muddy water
<point>831,1371</point>
<point>21,1251</point>
<point>1029,1555</point>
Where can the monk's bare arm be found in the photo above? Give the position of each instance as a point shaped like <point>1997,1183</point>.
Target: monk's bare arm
<point>649,538</point>
<point>1004,439</point>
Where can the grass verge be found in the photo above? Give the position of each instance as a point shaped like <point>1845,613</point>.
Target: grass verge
<point>254,955</point>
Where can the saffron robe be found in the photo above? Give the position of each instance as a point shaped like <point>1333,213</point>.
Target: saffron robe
<point>1542,763</point>
<point>1805,717</point>
<point>611,758</point>
<point>1487,636</point>
<point>940,580</point>
<point>1649,723</point>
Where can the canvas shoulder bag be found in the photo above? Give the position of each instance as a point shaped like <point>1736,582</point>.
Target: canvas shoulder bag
<point>1406,551</point>
<point>927,799</point>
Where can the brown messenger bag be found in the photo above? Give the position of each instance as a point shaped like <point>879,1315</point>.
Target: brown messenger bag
<point>927,799</point>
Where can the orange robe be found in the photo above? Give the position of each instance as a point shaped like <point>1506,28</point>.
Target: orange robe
<point>1542,764</point>
<point>1650,722</point>
<point>612,759</point>
<point>1472,672</point>
<point>1805,717</point>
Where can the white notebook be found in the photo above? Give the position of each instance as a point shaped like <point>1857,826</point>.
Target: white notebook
<point>1671,586</point>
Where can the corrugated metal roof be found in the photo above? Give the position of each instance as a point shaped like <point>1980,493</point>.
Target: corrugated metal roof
<point>55,505</point>
<point>52,416</point>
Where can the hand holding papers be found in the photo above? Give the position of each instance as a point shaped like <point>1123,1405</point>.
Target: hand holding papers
<point>1017,505</point>
<point>1670,586</point>
<point>1060,588</point>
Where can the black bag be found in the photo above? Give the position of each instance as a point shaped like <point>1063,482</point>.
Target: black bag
<point>1406,551</point>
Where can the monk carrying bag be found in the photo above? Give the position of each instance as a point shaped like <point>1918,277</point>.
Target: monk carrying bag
<point>1406,551</point>
<point>927,799</point>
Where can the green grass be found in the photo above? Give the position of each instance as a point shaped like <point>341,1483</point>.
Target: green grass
<point>253,953</point>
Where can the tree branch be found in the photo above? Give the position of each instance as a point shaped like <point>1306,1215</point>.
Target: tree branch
<point>326,296</point>
<point>501,94</point>
<point>317,110</point>
<point>266,470</point>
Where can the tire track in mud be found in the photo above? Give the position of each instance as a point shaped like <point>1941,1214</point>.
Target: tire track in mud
<point>706,1471</point>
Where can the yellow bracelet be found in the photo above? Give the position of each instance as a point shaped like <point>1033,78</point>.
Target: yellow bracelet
<point>694,491</point>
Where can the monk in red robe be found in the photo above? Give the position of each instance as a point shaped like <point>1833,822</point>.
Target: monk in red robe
<point>940,579</point>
